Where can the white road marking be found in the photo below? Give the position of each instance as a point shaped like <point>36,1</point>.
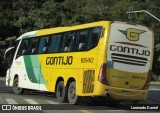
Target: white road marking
<point>11,101</point>
<point>52,102</point>
<point>154,89</point>
<point>31,101</point>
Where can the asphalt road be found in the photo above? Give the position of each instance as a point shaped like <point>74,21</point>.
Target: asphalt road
<point>49,104</point>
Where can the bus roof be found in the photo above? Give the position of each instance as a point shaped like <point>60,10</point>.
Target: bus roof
<point>43,32</point>
<point>48,31</point>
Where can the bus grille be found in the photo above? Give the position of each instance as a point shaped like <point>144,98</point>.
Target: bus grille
<point>129,59</point>
<point>88,81</point>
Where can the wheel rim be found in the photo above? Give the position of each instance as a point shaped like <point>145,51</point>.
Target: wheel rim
<point>72,92</point>
<point>60,91</point>
<point>16,86</point>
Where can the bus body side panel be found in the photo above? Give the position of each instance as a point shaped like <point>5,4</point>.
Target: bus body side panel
<point>82,67</point>
<point>40,73</point>
<point>26,68</point>
<point>57,65</point>
<point>25,74</point>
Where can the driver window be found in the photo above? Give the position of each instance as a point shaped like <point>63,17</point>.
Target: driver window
<point>23,49</point>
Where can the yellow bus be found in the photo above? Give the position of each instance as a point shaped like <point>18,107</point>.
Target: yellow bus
<point>101,59</point>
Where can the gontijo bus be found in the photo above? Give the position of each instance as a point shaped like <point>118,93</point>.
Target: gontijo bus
<point>100,59</point>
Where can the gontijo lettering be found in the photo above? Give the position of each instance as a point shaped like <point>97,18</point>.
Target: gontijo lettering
<point>60,60</point>
<point>130,50</point>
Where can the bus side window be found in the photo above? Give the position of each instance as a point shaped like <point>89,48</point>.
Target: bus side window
<point>69,39</point>
<point>44,44</point>
<point>41,48</point>
<point>33,46</point>
<point>96,33</point>
<point>82,40</point>
<point>55,44</point>
<point>72,42</point>
<point>94,36</point>
<point>23,47</point>
<point>66,42</point>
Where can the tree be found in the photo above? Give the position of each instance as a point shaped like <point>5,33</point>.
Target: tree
<point>97,10</point>
<point>49,15</point>
<point>72,12</point>
<point>3,45</point>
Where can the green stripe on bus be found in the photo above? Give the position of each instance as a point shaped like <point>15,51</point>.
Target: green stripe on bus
<point>29,69</point>
<point>37,69</point>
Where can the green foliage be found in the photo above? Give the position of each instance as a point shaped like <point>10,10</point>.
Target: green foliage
<point>96,10</point>
<point>20,16</point>
<point>3,45</point>
<point>47,16</point>
<point>72,12</point>
<point>154,77</point>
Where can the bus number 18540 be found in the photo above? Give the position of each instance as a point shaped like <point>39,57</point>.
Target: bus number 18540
<point>87,60</point>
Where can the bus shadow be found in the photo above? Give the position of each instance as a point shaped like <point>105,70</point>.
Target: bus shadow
<point>39,93</point>
<point>153,97</point>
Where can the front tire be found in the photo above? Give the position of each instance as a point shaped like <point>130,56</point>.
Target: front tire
<point>72,97</point>
<point>16,89</point>
<point>61,92</point>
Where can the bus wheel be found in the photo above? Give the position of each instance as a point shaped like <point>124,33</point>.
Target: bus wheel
<point>61,92</point>
<point>72,97</point>
<point>16,89</point>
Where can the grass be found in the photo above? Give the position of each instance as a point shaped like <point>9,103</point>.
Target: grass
<point>155,82</point>
<point>2,78</point>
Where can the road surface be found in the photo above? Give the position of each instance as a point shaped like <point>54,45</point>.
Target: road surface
<point>49,104</point>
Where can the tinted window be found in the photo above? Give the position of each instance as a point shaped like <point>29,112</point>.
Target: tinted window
<point>43,45</point>
<point>94,36</point>
<point>72,41</point>
<point>55,44</point>
<point>82,40</point>
<point>33,46</point>
<point>68,42</point>
<point>23,49</point>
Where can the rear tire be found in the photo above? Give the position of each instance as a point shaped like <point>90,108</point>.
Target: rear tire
<point>61,92</point>
<point>72,97</point>
<point>16,89</point>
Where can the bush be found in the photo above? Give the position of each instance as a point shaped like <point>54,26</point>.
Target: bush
<point>155,77</point>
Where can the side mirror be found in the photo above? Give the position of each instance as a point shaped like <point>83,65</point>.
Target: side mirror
<point>6,54</point>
